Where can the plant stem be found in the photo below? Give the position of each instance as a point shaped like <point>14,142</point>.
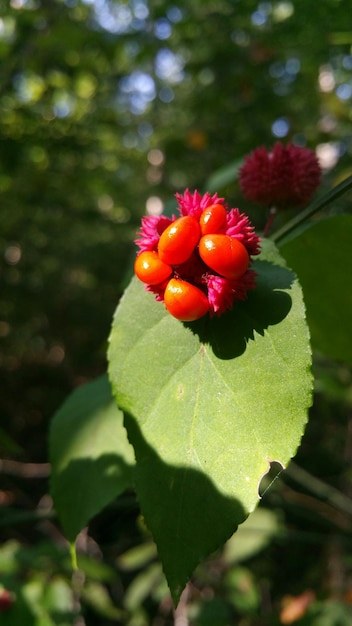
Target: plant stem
<point>24,470</point>
<point>270,221</point>
<point>316,206</point>
<point>180,613</point>
<point>326,492</point>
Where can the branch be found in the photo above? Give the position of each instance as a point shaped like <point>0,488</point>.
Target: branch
<point>24,470</point>
<point>317,205</point>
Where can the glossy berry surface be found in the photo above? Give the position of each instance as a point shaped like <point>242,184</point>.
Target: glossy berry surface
<point>207,251</point>
<point>178,240</point>
<point>150,269</point>
<point>212,219</point>
<point>185,301</point>
<point>224,254</point>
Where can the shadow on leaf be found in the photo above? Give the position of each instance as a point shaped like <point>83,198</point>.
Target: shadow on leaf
<point>86,486</point>
<point>268,304</point>
<point>187,515</point>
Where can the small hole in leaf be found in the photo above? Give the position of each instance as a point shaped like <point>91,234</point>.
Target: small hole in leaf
<point>274,471</point>
<point>180,390</point>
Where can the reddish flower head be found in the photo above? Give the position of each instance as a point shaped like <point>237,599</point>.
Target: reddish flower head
<point>198,262</point>
<point>7,600</point>
<point>285,177</point>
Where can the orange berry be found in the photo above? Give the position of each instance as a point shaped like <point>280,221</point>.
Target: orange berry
<point>212,219</point>
<point>185,301</point>
<point>178,240</point>
<point>150,269</point>
<point>224,254</point>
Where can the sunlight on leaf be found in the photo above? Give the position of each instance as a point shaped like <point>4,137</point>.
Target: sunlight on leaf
<point>319,257</point>
<point>215,402</point>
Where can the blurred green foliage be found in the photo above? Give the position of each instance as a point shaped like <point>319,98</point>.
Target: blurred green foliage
<point>106,107</point>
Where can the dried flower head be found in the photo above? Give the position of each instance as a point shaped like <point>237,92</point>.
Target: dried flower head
<point>198,262</point>
<point>285,177</point>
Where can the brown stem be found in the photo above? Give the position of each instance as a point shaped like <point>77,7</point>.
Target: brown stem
<point>24,470</point>
<point>270,221</point>
<point>180,613</point>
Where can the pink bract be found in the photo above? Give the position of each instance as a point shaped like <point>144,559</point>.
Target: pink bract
<point>151,229</point>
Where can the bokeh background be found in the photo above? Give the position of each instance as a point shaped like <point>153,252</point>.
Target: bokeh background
<point>107,109</point>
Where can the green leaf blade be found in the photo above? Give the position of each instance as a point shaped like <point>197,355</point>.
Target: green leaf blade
<point>91,458</point>
<point>224,176</point>
<point>216,402</point>
<point>318,256</point>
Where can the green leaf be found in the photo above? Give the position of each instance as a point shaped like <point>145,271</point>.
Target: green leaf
<point>223,176</point>
<point>252,536</point>
<point>321,258</point>
<point>91,458</point>
<point>142,586</point>
<point>318,204</point>
<point>208,406</point>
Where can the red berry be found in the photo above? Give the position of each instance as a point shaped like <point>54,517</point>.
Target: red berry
<point>7,599</point>
<point>224,254</point>
<point>185,301</point>
<point>178,240</point>
<point>150,269</point>
<point>212,219</point>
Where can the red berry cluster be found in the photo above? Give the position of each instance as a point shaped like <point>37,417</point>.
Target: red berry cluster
<point>199,262</point>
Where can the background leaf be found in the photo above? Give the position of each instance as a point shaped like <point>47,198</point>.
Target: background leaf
<point>90,455</point>
<point>216,401</point>
<point>223,176</point>
<point>300,220</point>
<point>252,536</point>
<point>318,256</point>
